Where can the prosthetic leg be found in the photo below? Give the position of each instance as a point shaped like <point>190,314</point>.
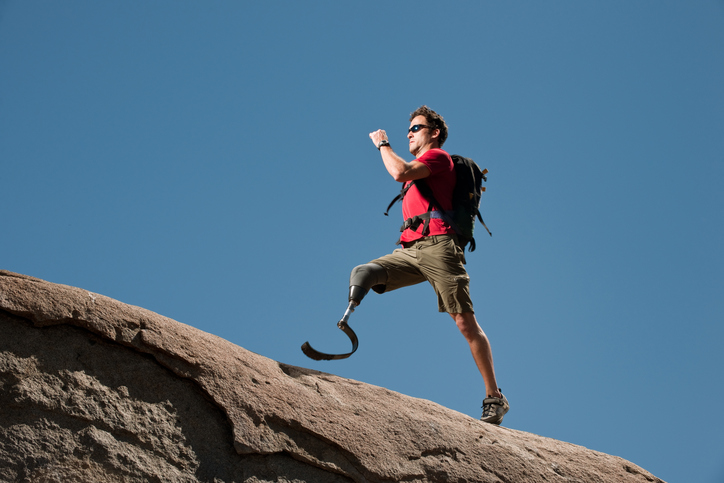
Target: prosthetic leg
<point>363,278</point>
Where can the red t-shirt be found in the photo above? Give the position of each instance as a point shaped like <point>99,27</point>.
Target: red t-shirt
<point>442,183</point>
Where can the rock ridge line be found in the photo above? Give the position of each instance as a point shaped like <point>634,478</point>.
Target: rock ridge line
<point>99,390</point>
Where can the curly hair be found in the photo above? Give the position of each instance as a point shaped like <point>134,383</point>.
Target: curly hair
<point>434,120</point>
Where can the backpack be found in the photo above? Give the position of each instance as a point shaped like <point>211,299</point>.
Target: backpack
<point>465,201</point>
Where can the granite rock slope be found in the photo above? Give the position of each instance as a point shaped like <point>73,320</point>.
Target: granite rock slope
<point>92,389</point>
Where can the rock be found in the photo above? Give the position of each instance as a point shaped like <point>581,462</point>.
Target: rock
<point>92,389</point>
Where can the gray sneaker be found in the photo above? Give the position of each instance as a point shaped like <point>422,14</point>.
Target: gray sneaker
<point>494,408</point>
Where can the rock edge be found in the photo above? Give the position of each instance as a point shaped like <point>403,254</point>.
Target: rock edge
<point>285,423</point>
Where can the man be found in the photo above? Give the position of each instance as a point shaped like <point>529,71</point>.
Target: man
<point>430,250</point>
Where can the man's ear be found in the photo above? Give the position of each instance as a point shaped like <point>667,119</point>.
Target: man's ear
<point>435,134</point>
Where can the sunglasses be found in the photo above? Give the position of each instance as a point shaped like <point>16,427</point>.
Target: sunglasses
<point>417,127</point>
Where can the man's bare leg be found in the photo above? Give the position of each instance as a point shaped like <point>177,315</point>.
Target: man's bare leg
<point>480,348</point>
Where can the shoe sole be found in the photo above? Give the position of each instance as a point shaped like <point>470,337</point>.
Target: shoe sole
<point>495,421</point>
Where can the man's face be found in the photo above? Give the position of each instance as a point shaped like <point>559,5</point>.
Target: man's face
<point>420,140</point>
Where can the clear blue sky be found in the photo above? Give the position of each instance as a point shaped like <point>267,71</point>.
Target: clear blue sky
<point>210,161</point>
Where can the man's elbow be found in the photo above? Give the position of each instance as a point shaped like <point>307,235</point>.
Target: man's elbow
<point>399,173</point>
<point>407,175</point>
<point>400,177</point>
<point>408,171</point>
<point>410,174</point>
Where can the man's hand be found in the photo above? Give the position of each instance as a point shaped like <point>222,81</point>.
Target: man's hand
<point>378,136</point>
<point>398,168</point>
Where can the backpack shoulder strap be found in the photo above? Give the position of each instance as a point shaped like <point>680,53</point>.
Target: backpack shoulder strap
<point>426,192</point>
<point>423,218</point>
<point>397,198</point>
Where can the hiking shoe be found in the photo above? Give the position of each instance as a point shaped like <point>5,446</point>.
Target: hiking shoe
<point>494,408</point>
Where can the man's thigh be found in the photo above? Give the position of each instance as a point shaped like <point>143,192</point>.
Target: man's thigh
<point>402,269</point>
<point>442,264</point>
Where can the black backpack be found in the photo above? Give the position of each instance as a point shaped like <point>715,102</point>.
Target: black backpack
<point>466,202</point>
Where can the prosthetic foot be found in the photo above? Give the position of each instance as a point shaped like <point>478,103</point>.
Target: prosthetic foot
<point>363,278</point>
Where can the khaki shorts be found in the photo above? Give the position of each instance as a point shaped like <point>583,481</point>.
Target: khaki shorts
<point>437,259</point>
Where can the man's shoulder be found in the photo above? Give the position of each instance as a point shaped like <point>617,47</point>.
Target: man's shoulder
<point>435,153</point>
<point>437,160</point>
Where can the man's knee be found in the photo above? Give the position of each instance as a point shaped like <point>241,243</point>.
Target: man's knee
<point>364,277</point>
<point>467,324</point>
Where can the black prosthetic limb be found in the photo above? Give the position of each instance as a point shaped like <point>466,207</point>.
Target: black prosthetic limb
<point>363,278</point>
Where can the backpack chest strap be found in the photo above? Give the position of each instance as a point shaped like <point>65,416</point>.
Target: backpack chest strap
<point>415,222</point>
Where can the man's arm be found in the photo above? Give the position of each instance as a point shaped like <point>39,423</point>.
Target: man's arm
<point>398,168</point>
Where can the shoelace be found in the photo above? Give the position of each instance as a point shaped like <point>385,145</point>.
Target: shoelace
<point>488,409</point>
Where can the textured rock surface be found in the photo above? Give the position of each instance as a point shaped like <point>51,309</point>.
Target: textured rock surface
<point>92,389</point>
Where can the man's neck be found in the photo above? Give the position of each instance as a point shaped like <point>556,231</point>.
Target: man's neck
<point>426,149</point>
